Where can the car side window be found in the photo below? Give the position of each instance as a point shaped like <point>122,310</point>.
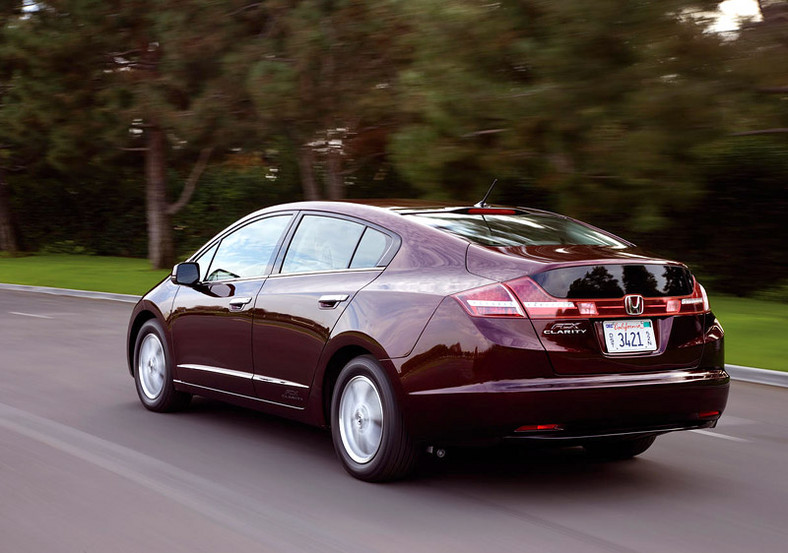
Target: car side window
<point>371,248</point>
<point>204,260</point>
<point>247,252</point>
<point>322,244</point>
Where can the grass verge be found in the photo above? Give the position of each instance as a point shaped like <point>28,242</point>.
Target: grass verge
<point>754,329</point>
<point>120,275</point>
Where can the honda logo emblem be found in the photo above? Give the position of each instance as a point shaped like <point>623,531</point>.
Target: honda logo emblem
<point>633,305</point>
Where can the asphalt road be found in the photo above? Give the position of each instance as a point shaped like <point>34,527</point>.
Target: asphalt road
<point>84,468</point>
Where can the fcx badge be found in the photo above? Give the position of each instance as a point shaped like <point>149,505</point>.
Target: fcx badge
<point>563,329</point>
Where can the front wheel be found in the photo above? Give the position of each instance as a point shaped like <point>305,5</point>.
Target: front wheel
<point>153,371</point>
<point>622,448</point>
<point>367,428</point>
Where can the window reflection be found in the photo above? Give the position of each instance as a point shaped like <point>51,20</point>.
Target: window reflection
<point>322,244</point>
<point>616,280</point>
<point>639,280</point>
<point>531,229</point>
<point>371,248</point>
<point>596,283</point>
<point>247,252</point>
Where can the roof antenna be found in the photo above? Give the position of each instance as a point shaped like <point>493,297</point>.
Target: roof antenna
<point>483,203</point>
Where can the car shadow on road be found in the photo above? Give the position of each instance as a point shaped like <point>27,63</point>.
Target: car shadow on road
<point>500,466</point>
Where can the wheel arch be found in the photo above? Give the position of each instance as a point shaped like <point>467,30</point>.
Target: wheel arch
<point>333,368</point>
<point>337,354</point>
<point>140,319</point>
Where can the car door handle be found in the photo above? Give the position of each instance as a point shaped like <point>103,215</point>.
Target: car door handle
<point>239,302</point>
<point>331,301</point>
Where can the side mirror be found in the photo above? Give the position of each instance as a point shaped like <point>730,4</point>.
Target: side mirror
<point>187,273</point>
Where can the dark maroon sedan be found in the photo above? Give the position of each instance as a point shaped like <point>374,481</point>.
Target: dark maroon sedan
<point>404,329</point>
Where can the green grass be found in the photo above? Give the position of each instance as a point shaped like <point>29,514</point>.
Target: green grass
<point>120,275</point>
<point>754,329</point>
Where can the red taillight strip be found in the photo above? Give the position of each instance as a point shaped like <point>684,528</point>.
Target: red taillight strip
<point>494,300</point>
<point>505,300</point>
<point>539,427</point>
<point>549,304</point>
<point>541,305</point>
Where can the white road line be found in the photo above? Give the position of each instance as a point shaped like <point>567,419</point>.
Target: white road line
<point>30,315</point>
<point>723,436</point>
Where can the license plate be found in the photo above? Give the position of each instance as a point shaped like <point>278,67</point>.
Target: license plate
<point>629,336</point>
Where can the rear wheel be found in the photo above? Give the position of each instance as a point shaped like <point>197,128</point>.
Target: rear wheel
<point>621,448</point>
<point>369,434</point>
<point>153,371</point>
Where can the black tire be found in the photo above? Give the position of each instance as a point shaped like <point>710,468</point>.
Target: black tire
<point>153,371</point>
<point>617,449</point>
<point>367,427</point>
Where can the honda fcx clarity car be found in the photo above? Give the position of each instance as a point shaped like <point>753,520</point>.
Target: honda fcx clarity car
<point>402,329</point>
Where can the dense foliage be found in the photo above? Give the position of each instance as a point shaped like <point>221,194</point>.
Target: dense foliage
<point>143,127</point>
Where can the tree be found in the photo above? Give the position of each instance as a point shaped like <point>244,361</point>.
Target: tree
<point>601,105</point>
<point>323,77</point>
<point>142,76</point>
<point>761,58</point>
<point>176,68</point>
<point>9,10</point>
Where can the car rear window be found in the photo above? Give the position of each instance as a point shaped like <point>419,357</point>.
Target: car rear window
<point>525,229</point>
<point>615,281</point>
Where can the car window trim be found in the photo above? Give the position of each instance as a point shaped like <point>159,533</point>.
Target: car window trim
<point>389,242</point>
<point>358,245</point>
<point>210,261</point>
<point>326,272</point>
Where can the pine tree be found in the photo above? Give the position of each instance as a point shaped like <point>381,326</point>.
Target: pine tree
<point>598,103</point>
<point>160,78</point>
<point>324,77</point>
<point>10,146</point>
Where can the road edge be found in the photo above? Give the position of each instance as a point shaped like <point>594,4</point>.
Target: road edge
<point>128,298</point>
<point>758,376</point>
<point>737,372</point>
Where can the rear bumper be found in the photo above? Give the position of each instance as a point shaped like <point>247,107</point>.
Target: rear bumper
<point>472,379</point>
<point>583,407</point>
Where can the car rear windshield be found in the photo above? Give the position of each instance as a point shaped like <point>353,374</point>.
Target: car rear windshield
<point>615,281</point>
<point>522,229</point>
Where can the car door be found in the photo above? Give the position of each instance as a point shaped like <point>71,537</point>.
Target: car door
<point>328,260</point>
<point>212,320</point>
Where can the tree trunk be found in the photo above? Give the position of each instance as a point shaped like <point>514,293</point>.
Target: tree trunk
<point>161,248</point>
<point>8,240</point>
<point>336,181</point>
<point>306,162</point>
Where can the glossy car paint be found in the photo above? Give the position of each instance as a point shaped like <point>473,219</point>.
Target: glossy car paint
<point>457,377</point>
<point>208,332</point>
<point>486,377</point>
<point>292,328</point>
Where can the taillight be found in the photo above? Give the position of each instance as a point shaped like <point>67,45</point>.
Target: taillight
<point>539,304</point>
<point>490,301</point>
<point>698,302</point>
